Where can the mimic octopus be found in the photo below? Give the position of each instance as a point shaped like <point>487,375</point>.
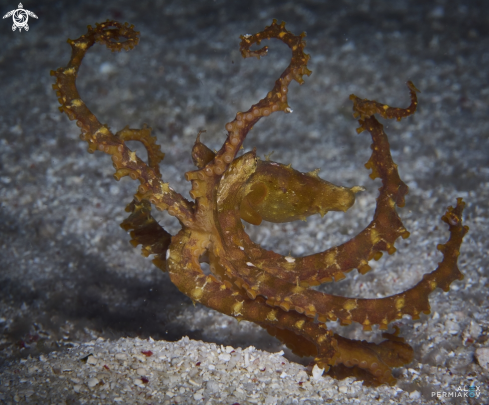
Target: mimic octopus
<point>248,282</point>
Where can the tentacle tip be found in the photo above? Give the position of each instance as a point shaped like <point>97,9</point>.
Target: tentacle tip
<point>413,87</point>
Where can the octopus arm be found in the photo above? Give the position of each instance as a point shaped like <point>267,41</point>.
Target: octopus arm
<point>302,333</point>
<point>276,99</point>
<point>368,312</point>
<point>116,36</point>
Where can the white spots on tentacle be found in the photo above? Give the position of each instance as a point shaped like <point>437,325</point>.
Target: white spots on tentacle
<point>69,71</point>
<point>76,102</point>
<point>272,316</point>
<point>237,307</point>
<point>197,293</point>
<point>350,305</point>
<point>132,157</point>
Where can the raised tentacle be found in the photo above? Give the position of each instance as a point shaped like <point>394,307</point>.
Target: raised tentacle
<point>276,99</point>
<point>205,180</point>
<point>364,108</point>
<point>99,137</point>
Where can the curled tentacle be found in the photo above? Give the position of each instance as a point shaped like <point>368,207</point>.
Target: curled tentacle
<point>205,180</point>
<point>116,36</point>
<point>367,108</point>
<point>108,33</point>
<point>276,99</point>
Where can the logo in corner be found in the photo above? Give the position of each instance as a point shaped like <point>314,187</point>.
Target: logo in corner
<point>462,391</point>
<point>20,17</point>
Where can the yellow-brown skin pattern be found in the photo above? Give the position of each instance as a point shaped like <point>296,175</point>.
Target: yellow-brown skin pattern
<point>247,281</point>
<point>279,193</point>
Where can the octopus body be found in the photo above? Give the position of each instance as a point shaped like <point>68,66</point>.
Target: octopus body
<point>246,281</point>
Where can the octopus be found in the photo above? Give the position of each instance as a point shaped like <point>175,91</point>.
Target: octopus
<point>246,281</point>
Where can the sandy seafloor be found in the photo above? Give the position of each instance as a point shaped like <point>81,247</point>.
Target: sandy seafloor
<point>70,283</point>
